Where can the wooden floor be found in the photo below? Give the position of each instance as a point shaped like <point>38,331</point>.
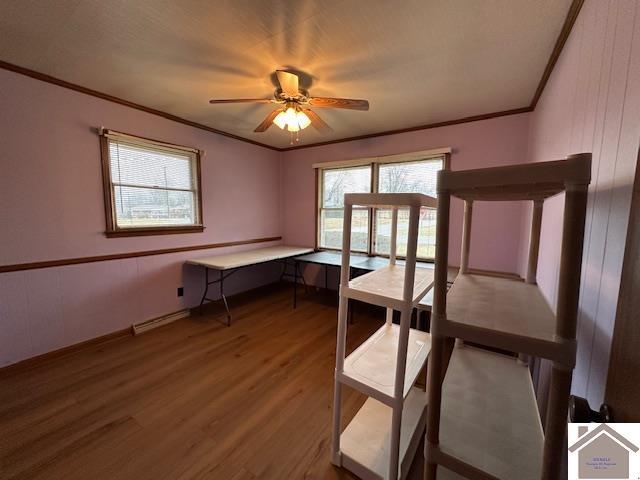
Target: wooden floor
<point>191,400</point>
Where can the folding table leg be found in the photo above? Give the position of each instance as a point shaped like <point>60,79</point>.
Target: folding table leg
<point>326,282</point>
<point>206,289</point>
<point>296,266</point>
<point>224,299</point>
<point>295,287</point>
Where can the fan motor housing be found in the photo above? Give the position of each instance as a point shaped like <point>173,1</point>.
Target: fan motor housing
<point>301,97</point>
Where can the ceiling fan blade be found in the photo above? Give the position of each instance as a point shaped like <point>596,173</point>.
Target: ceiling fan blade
<point>349,103</point>
<point>288,82</point>
<point>317,122</point>
<point>268,121</point>
<point>242,100</point>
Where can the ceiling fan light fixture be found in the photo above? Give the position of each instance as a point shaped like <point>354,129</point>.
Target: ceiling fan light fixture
<point>303,120</point>
<point>280,120</point>
<point>292,118</point>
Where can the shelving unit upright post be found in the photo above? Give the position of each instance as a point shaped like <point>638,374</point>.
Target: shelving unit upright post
<point>382,438</point>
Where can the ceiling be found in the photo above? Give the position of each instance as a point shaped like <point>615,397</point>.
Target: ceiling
<point>417,61</point>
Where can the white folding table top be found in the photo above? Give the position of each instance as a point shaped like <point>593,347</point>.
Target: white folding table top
<point>249,257</point>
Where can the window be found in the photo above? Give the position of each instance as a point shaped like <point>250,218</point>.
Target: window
<point>414,174</point>
<point>335,183</point>
<point>415,177</point>
<point>150,187</point>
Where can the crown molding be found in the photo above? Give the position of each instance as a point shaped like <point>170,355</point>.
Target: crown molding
<point>567,27</point>
<point>572,15</point>
<point>110,98</point>
<point>473,118</point>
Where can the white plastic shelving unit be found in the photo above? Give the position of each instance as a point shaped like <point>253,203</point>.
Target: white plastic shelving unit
<point>381,440</point>
<point>483,419</point>
<point>489,397</point>
<point>362,367</point>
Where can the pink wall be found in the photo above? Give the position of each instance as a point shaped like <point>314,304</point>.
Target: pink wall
<point>496,226</point>
<point>51,150</point>
<point>52,208</point>
<point>592,104</point>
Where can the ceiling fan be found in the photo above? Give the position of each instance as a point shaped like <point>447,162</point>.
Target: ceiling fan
<point>293,112</point>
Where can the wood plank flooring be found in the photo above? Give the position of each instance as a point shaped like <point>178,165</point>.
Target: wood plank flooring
<point>191,400</point>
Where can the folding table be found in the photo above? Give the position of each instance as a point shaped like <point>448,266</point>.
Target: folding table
<point>230,263</point>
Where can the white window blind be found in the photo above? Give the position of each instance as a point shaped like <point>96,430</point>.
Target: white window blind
<point>153,185</point>
<point>414,177</point>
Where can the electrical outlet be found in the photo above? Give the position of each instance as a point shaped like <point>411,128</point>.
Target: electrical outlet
<point>180,291</point>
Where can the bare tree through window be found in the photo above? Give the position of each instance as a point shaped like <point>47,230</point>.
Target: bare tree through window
<point>411,177</point>
<point>337,182</point>
<point>407,177</point>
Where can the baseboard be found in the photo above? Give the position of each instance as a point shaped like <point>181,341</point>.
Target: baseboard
<point>63,352</point>
<point>143,327</point>
<point>77,347</point>
<point>492,273</point>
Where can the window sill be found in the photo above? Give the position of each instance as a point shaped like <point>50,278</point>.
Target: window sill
<point>137,232</point>
<point>331,249</point>
<point>380,255</point>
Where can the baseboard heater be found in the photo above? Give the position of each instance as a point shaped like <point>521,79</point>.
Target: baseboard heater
<point>158,322</point>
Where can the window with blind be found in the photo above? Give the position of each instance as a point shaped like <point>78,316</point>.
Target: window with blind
<point>416,176</point>
<point>150,187</point>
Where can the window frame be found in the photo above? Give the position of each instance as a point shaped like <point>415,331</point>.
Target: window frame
<point>112,230</point>
<point>375,163</point>
<point>320,208</point>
